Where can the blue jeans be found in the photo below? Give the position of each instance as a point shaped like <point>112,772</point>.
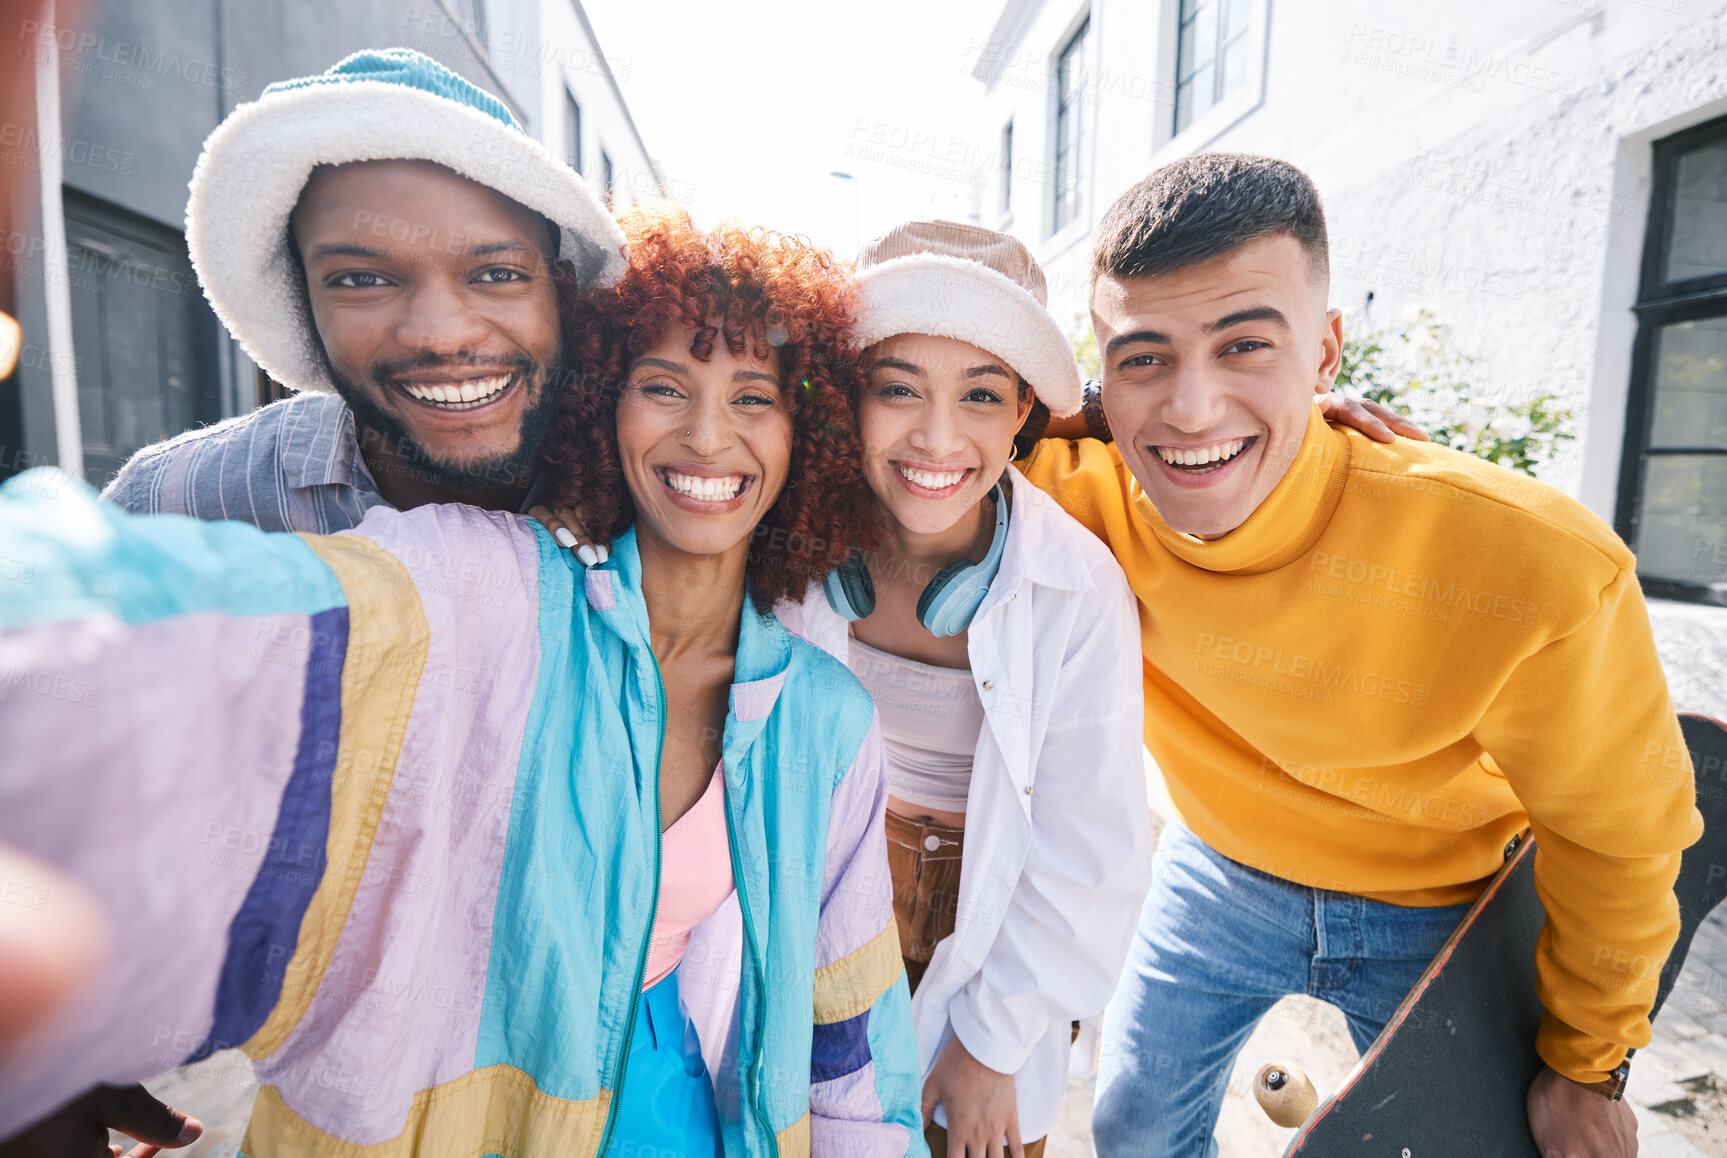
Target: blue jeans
<point>1218,944</point>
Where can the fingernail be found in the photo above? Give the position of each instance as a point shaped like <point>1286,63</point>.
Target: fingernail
<point>605,552</point>
<point>564,538</point>
<point>587,555</point>
<point>190,1131</point>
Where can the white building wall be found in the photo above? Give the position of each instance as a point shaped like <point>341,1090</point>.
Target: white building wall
<point>545,48</point>
<point>1486,157</point>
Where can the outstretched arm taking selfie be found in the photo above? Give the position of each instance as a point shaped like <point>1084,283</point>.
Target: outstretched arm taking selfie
<point>204,726</point>
<point>162,705</point>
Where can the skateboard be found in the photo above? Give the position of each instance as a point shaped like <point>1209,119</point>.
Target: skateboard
<point>1447,1076</point>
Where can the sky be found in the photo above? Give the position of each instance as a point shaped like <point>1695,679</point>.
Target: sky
<point>750,105</point>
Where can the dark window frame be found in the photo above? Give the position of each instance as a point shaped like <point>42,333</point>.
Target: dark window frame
<point>1222,42</point>
<point>1007,167</point>
<point>1066,151</point>
<point>85,213</point>
<point>1660,303</point>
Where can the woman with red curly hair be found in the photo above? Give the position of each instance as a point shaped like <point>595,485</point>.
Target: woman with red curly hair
<point>549,861</point>
<point>739,293</point>
<point>996,637</point>
<point>707,430</point>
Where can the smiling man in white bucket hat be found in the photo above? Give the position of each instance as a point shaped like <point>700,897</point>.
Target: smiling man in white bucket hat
<point>384,240</point>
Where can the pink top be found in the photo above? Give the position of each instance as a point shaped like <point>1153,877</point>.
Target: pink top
<point>695,878</point>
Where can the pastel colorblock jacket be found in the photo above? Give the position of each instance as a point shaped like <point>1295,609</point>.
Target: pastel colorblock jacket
<point>382,808</point>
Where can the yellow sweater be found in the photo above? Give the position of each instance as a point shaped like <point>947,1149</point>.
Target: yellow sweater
<point>1402,659</point>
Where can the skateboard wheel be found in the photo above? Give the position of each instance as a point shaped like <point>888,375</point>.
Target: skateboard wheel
<point>1284,1093</point>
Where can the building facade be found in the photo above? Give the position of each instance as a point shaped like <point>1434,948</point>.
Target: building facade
<point>1549,177</point>
<point>120,348</point>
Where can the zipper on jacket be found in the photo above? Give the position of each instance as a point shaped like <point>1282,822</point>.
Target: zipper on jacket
<point>647,943</point>
<point>755,961</point>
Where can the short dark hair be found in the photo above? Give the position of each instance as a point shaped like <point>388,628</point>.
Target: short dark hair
<point>1202,207</point>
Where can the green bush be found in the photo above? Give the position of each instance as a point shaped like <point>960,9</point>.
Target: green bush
<point>1083,339</point>
<point>1415,372</point>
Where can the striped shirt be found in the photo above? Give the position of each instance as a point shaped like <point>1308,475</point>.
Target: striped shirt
<point>293,465</point>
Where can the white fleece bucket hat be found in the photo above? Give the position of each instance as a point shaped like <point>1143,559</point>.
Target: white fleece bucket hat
<point>379,105</point>
<point>955,280</point>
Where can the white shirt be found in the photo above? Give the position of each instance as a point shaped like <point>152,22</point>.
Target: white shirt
<point>1058,833</point>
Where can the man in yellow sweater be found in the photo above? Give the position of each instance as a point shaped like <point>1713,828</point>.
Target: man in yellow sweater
<point>1368,668</point>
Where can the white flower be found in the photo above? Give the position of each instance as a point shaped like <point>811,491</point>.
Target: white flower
<point>1427,336</point>
<point>1471,421</point>
<point>1509,427</point>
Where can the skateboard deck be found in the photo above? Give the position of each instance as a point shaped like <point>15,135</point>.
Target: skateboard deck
<point>1447,1077</point>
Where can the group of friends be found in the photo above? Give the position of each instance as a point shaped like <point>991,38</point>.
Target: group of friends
<point>655,690</point>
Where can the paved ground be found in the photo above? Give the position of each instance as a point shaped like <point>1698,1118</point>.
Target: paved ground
<point>1678,1085</point>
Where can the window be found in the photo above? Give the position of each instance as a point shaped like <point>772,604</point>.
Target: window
<point>143,337</point>
<point>1673,485</point>
<point>572,131</point>
<point>1211,51</point>
<point>1069,82</point>
<point>1007,167</point>
<point>472,16</point>
<point>606,178</point>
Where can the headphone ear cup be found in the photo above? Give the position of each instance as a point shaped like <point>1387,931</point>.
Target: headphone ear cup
<point>946,606</point>
<point>850,590</point>
<point>952,598</point>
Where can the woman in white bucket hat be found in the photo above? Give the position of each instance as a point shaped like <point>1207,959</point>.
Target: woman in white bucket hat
<point>1000,641</point>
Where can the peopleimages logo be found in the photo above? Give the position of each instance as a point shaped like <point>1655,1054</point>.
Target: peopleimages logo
<point>1449,62</point>
<point>53,685</point>
<point>121,60</point>
<point>1246,661</point>
<point>30,149</point>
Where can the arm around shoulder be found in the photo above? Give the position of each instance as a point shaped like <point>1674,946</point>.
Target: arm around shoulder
<point>155,674</point>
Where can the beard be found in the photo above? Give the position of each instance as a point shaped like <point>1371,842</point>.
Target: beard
<point>468,474</point>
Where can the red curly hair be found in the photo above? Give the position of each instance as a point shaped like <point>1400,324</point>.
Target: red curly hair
<point>767,292</point>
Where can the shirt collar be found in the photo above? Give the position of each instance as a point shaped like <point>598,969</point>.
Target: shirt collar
<point>319,447</point>
<point>1033,553</point>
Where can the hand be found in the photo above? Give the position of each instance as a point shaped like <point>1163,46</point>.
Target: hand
<point>52,942</point>
<point>79,1129</point>
<point>1372,419</point>
<point>981,1107</point>
<point>1568,1121</point>
<point>567,530</point>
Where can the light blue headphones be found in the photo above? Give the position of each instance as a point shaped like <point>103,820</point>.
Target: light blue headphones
<point>952,597</point>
